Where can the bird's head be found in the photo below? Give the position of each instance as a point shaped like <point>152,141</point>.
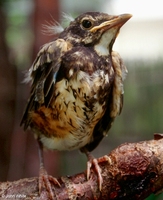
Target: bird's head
<point>96,29</point>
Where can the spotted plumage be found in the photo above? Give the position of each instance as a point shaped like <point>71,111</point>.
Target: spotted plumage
<point>77,84</point>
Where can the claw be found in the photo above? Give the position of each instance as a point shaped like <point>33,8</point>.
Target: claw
<point>44,182</point>
<point>93,162</point>
<point>98,171</point>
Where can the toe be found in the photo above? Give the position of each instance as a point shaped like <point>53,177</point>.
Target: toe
<point>94,162</point>
<point>45,181</point>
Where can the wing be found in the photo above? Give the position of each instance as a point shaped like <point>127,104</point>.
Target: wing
<point>43,75</point>
<point>114,103</point>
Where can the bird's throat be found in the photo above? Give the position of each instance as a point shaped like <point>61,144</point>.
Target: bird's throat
<point>102,47</point>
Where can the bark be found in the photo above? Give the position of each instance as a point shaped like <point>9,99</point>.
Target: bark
<point>131,171</point>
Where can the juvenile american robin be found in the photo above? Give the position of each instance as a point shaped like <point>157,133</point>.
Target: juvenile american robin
<point>77,89</point>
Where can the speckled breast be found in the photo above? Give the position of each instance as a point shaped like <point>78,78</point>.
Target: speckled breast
<point>75,109</point>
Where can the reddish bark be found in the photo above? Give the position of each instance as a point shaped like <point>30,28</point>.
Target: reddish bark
<point>131,171</point>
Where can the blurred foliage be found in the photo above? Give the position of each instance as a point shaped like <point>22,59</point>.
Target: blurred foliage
<point>18,32</point>
<point>155,197</point>
<point>143,108</point>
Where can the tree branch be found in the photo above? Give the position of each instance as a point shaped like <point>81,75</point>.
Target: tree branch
<point>131,171</point>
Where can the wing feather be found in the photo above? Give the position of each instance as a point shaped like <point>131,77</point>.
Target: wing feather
<point>43,74</point>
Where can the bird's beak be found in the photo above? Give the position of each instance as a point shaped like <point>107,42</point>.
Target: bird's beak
<point>115,21</point>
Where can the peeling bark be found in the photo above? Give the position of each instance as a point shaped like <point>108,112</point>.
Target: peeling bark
<point>131,171</point>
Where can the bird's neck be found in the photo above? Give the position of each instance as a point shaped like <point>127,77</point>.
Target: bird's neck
<point>104,46</point>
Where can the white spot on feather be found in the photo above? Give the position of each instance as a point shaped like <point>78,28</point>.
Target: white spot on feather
<point>71,71</point>
<point>27,77</point>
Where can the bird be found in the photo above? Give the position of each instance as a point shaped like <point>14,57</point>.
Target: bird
<point>76,89</point>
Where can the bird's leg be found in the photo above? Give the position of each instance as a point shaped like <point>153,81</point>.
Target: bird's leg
<point>93,161</point>
<point>44,178</point>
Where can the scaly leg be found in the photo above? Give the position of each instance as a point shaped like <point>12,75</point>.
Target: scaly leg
<point>44,178</point>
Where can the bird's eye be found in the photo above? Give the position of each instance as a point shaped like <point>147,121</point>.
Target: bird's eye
<point>86,24</point>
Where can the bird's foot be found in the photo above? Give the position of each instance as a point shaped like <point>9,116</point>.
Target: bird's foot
<point>94,162</point>
<point>45,181</point>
